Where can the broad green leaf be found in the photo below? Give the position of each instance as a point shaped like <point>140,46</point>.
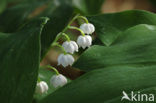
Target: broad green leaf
<point>106,85</point>
<point>15,16</point>
<point>19,63</point>
<point>59,12</point>
<point>135,46</point>
<point>88,7</point>
<point>110,26</point>
<point>2,5</point>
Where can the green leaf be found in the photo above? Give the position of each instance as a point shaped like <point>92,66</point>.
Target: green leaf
<point>106,85</point>
<point>59,12</point>
<point>110,26</point>
<point>134,46</point>
<point>88,7</point>
<point>12,18</point>
<point>19,63</point>
<point>2,5</point>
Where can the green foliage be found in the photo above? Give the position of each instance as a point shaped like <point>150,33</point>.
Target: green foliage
<point>20,13</point>
<point>2,5</point>
<point>131,52</point>
<point>122,59</point>
<point>135,46</point>
<point>19,63</point>
<point>110,26</point>
<point>88,7</point>
<point>128,64</point>
<point>12,18</point>
<point>106,85</point>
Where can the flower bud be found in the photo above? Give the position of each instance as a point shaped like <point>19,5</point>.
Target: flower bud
<point>70,46</point>
<point>41,87</point>
<point>87,28</point>
<point>58,80</point>
<point>65,60</point>
<point>84,41</point>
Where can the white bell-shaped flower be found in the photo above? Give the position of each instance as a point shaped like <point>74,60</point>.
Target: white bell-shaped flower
<point>41,87</point>
<point>58,80</point>
<point>84,41</point>
<point>87,28</point>
<point>65,60</point>
<point>70,46</point>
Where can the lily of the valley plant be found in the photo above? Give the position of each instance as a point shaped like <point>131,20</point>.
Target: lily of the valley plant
<point>68,47</point>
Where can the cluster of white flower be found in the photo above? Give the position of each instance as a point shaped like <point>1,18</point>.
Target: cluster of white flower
<point>71,46</point>
<point>56,80</point>
<point>65,59</point>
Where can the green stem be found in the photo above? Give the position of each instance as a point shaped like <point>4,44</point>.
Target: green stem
<point>76,28</point>
<point>59,36</point>
<point>38,80</point>
<point>58,45</point>
<point>54,69</point>
<point>84,18</point>
<point>66,36</point>
<point>66,28</point>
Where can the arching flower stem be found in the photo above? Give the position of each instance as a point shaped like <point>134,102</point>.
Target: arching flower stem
<point>54,69</point>
<point>38,80</point>
<point>76,28</point>
<point>84,18</point>
<point>74,18</point>
<point>60,35</point>
<point>58,45</point>
<point>70,27</point>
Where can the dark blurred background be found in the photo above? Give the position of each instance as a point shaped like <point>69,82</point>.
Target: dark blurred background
<point>121,5</point>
